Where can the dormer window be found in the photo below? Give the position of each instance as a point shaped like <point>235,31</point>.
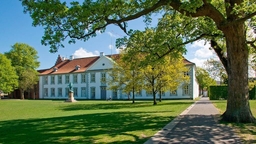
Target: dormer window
<point>77,67</point>
<point>55,69</point>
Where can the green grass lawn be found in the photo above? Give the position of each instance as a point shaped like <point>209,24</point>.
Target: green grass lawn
<point>246,131</point>
<point>46,121</point>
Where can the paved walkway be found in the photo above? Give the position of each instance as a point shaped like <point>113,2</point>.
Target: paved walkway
<point>197,124</point>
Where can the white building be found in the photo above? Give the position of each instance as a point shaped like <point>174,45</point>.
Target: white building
<point>86,74</point>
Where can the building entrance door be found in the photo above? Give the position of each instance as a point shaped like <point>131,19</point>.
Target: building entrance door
<point>103,92</point>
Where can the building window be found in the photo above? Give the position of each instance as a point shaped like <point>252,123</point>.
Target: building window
<point>103,77</point>
<point>45,79</point>
<point>75,78</point>
<point>59,79</point>
<point>52,79</point>
<point>83,92</point>
<point>185,89</point>
<point>186,74</point>
<point>162,93</point>
<point>46,92</point>
<point>92,77</point>
<point>92,92</point>
<point>173,93</point>
<point>66,92</point>
<point>114,94</point>
<point>59,92</point>
<point>83,78</point>
<point>149,93</point>
<point>67,79</point>
<point>52,92</point>
<point>139,94</point>
<point>75,91</point>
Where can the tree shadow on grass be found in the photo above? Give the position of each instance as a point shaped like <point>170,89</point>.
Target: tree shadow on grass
<point>114,105</point>
<point>247,130</point>
<point>87,128</point>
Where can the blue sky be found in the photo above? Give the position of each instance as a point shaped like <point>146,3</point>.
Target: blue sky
<point>15,26</point>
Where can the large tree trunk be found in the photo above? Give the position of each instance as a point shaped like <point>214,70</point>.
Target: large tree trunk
<point>238,108</point>
<point>22,94</point>
<point>160,96</point>
<point>154,98</point>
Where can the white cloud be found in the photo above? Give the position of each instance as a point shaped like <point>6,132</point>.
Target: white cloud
<point>198,62</point>
<point>203,51</point>
<point>98,32</point>
<point>111,34</point>
<point>113,48</point>
<point>81,52</point>
<point>110,46</point>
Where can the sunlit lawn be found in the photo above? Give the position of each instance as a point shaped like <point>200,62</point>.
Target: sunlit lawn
<point>246,131</point>
<point>46,121</point>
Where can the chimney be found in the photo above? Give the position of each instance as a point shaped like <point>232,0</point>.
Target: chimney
<point>72,57</point>
<point>101,54</point>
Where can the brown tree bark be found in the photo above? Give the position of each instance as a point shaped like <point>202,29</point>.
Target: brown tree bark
<point>238,107</point>
<point>22,94</point>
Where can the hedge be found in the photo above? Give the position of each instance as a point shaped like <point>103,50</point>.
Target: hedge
<point>221,92</point>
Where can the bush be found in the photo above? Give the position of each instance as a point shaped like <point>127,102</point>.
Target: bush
<point>218,92</point>
<point>252,93</point>
<point>221,92</point>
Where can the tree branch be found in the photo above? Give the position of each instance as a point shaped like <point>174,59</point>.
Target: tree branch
<point>246,17</point>
<point>207,9</point>
<point>219,52</point>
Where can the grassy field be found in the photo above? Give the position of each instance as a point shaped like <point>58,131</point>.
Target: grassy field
<point>246,131</point>
<point>46,121</point>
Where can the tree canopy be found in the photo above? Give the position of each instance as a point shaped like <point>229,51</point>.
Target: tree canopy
<point>8,76</point>
<point>24,60</point>
<point>165,75</point>
<point>203,78</point>
<point>215,21</point>
<point>126,75</point>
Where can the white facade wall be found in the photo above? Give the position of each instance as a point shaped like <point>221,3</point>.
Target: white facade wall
<point>100,66</point>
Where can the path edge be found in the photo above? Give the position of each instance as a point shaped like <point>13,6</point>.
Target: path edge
<point>167,128</point>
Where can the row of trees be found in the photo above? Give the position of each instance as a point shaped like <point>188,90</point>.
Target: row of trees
<point>131,76</point>
<point>18,69</point>
<point>225,24</point>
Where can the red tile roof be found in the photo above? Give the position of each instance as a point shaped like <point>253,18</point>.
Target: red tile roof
<point>69,66</point>
<point>187,62</point>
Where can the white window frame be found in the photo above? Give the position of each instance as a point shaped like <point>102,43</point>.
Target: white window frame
<point>59,79</point>
<point>59,92</point>
<point>52,92</point>
<point>185,90</point>
<point>75,78</point>
<point>53,79</point>
<point>67,79</point>
<point>46,80</point>
<point>83,78</point>
<point>46,94</point>
<point>93,92</point>
<point>75,90</point>
<point>93,77</point>
<point>83,94</point>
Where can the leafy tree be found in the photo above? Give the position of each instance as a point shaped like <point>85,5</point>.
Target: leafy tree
<point>24,60</point>
<point>8,76</point>
<point>204,79</point>
<point>213,21</point>
<point>126,76</point>
<point>216,70</point>
<point>167,75</point>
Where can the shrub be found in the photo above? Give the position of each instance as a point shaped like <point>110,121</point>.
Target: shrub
<point>221,92</point>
